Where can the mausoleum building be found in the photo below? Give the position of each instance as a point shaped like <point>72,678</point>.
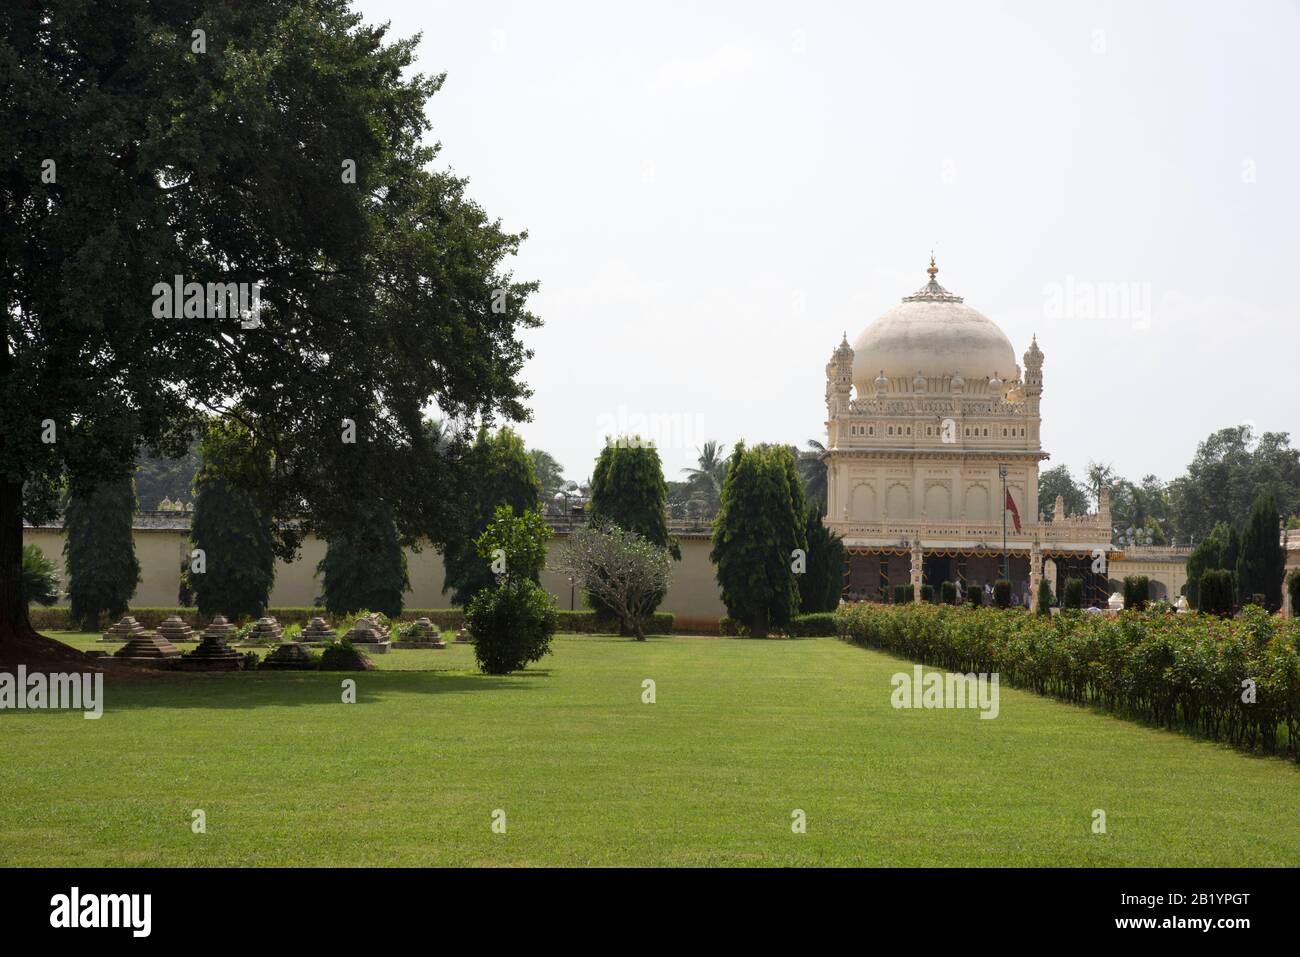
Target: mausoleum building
<point>934,438</point>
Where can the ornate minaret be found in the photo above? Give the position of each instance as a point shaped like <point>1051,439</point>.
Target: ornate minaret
<point>839,379</point>
<point>1033,377</point>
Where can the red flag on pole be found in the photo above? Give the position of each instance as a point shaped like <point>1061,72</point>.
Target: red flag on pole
<point>1010,506</point>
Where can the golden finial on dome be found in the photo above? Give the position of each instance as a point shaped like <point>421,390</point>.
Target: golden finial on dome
<point>933,270</point>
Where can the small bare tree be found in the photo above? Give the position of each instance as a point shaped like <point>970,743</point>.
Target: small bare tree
<point>622,569</point>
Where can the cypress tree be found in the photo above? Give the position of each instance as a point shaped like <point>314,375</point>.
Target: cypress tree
<point>1212,552</point>
<point>99,551</point>
<point>1137,589</point>
<point>1044,597</point>
<point>231,529</point>
<point>1261,561</point>
<point>822,582</point>
<point>1216,592</point>
<point>628,490</point>
<point>760,522</point>
<point>364,572</point>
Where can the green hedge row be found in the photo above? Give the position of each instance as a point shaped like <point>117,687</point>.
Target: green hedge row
<point>1192,672</point>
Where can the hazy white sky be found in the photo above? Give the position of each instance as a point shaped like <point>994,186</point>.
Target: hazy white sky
<point>715,191</point>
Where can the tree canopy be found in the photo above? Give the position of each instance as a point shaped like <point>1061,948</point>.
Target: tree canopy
<point>284,150</point>
<point>1229,470</point>
<point>1058,481</point>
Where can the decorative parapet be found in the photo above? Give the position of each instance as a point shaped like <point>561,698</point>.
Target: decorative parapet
<point>955,405</point>
<point>989,533</point>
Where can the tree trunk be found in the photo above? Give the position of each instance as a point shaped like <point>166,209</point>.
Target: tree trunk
<point>19,642</point>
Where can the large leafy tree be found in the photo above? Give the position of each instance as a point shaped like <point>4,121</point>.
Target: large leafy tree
<point>99,551</point>
<point>1225,476</point>
<point>288,151</point>
<point>365,569</point>
<point>628,490</point>
<point>1261,562</point>
<point>758,528</point>
<point>233,529</point>
<point>1058,481</point>
<point>502,474</point>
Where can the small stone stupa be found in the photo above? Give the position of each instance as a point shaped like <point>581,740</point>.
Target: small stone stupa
<point>421,633</point>
<point>316,630</point>
<point>147,647</point>
<point>290,656</point>
<point>176,629</point>
<point>124,630</point>
<point>266,631</point>
<point>366,631</point>
<point>214,653</point>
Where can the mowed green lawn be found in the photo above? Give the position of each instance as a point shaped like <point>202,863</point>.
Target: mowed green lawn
<point>742,734</point>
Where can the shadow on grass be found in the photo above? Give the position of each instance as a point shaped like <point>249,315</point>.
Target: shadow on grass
<point>291,689</point>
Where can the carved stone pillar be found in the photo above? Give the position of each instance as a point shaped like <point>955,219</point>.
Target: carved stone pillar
<point>1035,571</point>
<point>918,567</point>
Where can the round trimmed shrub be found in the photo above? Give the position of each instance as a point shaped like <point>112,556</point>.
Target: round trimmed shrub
<point>927,594</point>
<point>948,593</point>
<point>904,594</point>
<point>1072,593</point>
<point>512,624</point>
<point>975,596</point>
<point>1002,593</point>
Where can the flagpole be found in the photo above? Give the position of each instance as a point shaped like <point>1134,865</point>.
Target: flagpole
<point>1002,472</point>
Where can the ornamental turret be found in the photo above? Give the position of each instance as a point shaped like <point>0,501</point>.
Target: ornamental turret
<point>839,379</point>
<point>1033,375</point>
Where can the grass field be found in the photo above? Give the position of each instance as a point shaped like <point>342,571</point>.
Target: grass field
<point>743,733</point>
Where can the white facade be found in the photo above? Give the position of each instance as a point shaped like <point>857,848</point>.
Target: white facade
<point>922,417</point>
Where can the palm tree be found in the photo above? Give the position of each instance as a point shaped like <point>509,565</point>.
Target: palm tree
<point>705,480</point>
<point>549,472</point>
<point>813,472</point>
<point>1099,474</point>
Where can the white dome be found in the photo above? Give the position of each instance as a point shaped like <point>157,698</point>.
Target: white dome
<point>932,333</point>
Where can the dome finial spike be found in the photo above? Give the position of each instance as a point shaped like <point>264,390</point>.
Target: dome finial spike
<point>933,270</point>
